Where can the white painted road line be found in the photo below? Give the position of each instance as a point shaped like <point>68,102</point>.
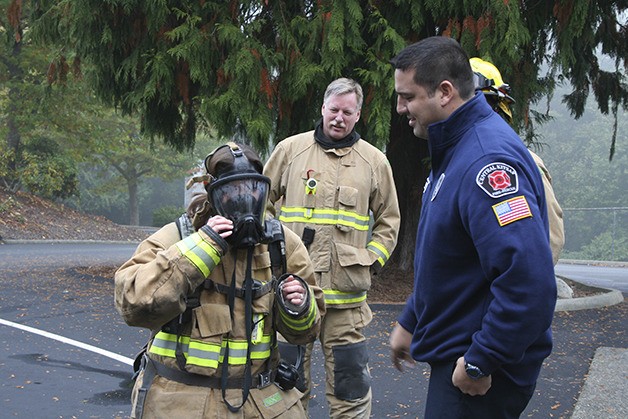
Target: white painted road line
<point>72,342</point>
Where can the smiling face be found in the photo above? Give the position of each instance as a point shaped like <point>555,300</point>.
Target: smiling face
<point>415,102</point>
<point>340,114</point>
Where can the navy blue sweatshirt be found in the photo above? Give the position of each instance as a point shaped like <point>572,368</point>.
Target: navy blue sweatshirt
<point>484,285</point>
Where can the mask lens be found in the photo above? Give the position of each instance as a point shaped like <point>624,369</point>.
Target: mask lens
<point>239,196</point>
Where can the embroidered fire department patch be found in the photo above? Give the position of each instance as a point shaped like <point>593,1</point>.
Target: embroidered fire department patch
<point>512,210</point>
<point>498,179</point>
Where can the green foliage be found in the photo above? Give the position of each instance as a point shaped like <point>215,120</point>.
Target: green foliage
<point>123,159</point>
<point>34,115</point>
<point>577,157</point>
<point>590,188</point>
<point>606,246</point>
<point>167,214</point>
<point>47,171</point>
<point>6,174</point>
<point>101,191</point>
<point>256,70</point>
<point>245,67</point>
<point>42,168</point>
<point>8,205</point>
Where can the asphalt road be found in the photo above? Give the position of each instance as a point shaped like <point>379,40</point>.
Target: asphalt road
<point>43,377</point>
<point>611,277</point>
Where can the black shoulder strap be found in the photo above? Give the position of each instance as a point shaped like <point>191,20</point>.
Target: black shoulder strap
<point>277,247</point>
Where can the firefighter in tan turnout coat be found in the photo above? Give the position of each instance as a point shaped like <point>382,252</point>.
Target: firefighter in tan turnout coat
<point>337,192</point>
<point>207,289</point>
<point>488,80</point>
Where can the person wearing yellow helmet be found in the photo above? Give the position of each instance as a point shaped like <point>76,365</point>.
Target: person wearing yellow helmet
<point>488,80</point>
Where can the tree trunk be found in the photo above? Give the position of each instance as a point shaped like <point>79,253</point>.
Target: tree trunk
<point>12,179</point>
<point>134,201</point>
<point>408,156</point>
<point>14,139</point>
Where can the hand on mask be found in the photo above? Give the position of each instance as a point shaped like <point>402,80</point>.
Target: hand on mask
<point>221,225</point>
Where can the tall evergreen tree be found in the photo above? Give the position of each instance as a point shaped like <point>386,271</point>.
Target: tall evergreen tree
<point>24,103</point>
<point>257,68</point>
<point>40,123</point>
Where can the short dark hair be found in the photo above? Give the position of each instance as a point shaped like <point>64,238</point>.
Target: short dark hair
<point>435,59</point>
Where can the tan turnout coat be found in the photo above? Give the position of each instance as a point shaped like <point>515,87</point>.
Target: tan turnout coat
<point>353,210</point>
<point>151,289</point>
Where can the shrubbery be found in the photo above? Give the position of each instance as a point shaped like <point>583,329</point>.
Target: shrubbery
<point>603,247</point>
<point>165,215</point>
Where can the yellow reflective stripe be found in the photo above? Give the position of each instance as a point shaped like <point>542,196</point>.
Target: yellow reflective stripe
<point>300,324</point>
<point>165,344</point>
<point>202,362</point>
<point>380,250</point>
<point>338,297</point>
<point>201,253</point>
<point>208,354</point>
<point>258,328</point>
<point>204,354</point>
<point>324,216</point>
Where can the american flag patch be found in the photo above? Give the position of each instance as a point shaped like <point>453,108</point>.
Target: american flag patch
<point>511,210</point>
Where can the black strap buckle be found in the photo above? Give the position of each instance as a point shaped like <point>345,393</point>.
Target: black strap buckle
<point>264,379</point>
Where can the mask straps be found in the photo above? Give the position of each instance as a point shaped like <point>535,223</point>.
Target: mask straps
<point>236,151</point>
<point>248,321</point>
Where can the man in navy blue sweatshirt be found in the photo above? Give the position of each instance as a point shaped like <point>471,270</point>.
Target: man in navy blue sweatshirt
<point>484,288</point>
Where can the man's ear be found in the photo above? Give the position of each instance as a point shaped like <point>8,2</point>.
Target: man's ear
<point>447,92</point>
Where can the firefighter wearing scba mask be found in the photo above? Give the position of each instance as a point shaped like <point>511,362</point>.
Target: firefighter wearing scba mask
<point>211,290</point>
<point>489,81</point>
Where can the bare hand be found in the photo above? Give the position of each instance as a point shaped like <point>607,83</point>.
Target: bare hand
<point>221,225</point>
<point>468,385</point>
<point>400,340</point>
<point>293,291</point>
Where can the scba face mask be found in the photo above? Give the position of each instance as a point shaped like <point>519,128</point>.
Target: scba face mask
<point>240,193</point>
<point>242,198</point>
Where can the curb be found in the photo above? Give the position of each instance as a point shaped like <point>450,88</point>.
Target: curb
<point>605,394</point>
<point>19,241</point>
<point>609,263</point>
<point>609,298</point>
<point>606,299</point>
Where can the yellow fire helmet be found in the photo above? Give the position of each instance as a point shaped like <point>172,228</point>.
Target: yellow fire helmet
<point>489,80</point>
